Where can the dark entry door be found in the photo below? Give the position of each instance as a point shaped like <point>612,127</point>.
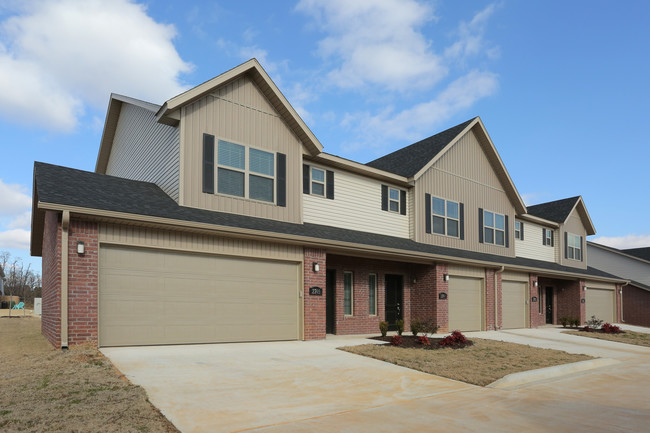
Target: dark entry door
<point>330,301</point>
<point>549,305</point>
<point>394,292</point>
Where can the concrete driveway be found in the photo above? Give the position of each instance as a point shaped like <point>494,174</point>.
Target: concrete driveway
<point>312,387</point>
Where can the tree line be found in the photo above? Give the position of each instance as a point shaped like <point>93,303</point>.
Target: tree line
<point>19,280</point>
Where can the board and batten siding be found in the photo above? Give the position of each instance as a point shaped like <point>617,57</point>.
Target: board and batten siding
<point>239,113</point>
<point>573,225</point>
<point>356,206</point>
<point>145,150</point>
<point>138,236</point>
<point>465,175</point>
<point>532,247</point>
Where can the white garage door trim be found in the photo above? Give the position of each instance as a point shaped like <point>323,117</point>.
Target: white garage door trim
<point>514,295</point>
<point>600,303</point>
<point>156,296</point>
<point>465,302</point>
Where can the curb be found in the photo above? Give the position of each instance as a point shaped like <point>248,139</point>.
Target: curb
<point>525,377</point>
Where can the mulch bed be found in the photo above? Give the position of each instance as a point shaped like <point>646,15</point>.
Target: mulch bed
<point>410,342</point>
<point>597,331</point>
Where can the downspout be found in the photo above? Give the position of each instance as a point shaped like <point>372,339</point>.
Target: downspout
<point>621,295</point>
<point>496,309</point>
<point>65,225</point>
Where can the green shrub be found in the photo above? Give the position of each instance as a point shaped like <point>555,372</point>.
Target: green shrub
<point>416,327</point>
<point>383,328</point>
<point>400,326</point>
<point>428,327</point>
<point>575,322</point>
<point>564,321</point>
<point>594,323</point>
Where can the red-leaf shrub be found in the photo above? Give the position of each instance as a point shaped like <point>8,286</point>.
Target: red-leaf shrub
<point>396,340</point>
<point>608,328</point>
<point>423,340</point>
<point>586,328</point>
<point>456,339</point>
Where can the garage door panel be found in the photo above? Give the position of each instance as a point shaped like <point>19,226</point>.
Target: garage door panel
<point>465,303</point>
<point>600,303</point>
<point>163,297</point>
<point>513,303</point>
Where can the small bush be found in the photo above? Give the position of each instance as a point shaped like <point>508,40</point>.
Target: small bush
<point>594,322</point>
<point>456,339</point>
<point>423,340</point>
<point>575,322</point>
<point>428,327</point>
<point>564,321</point>
<point>416,327</point>
<point>587,328</point>
<point>383,328</point>
<point>400,326</point>
<point>396,340</point>
<point>608,328</point>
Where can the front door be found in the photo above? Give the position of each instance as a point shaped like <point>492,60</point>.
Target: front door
<point>549,305</point>
<point>394,291</point>
<point>330,301</point>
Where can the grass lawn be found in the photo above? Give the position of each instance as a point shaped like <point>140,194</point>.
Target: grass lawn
<point>629,337</point>
<point>479,364</point>
<point>79,390</point>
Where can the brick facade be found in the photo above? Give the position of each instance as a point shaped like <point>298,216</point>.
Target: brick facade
<point>490,296</point>
<point>636,306</point>
<point>314,306</point>
<point>538,308</point>
<point>568,295</point>
<point>51,290</point>
<point>428,283</point>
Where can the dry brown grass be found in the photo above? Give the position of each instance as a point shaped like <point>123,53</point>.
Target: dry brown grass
<point>79,390</point>
<point>480,364</point>
<point>629,337</point>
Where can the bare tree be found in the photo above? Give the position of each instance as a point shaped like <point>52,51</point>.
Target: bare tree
<point>18,279</point>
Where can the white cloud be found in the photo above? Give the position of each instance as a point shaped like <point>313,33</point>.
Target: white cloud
<point>378,42</point>
<point>59,57</point>
<point>22,221</point>
<point>471,36</point>
<point>623,242</point>
<point>14,199</point>
<point>15,239</point>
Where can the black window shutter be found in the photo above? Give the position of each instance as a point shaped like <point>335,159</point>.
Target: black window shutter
<point>507,233</point>
<point>552,238</point>
<point>208,163</point>
<point>329,180</point>
<point>480,225</point>
<point>281,182</point>
<point>384,197</point>
<point>427,213</point>
<point>305,179</point>
<point>582,252</point>
<point>566,245</point>
<point>521,231</point>
<point>543,236</point>
<point>402,202</point>
<point>461,222</point>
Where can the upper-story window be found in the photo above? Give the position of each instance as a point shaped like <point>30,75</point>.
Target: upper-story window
<point>317,181</point>
<point>573,246</point>
<point>232,171</point>
<point>547,237</point>
<point>493,228</point>
<point>446,217</point>
<point>519,230</point>
<point>393,199</point>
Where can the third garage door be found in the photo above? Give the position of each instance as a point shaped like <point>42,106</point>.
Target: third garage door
<point>513,304</point>
<point>600,303</point>
<point>465,303</point>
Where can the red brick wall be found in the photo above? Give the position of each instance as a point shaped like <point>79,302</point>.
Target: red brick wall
<point>51,292</point>
<point>82,283</point>
<point>567,296</point>
<point>536,318</point>
<point>425,290</point>
<point>490,299</point>
<point>361,322</point>
<point>314,306</point>
<point>636,306</point>
<point>442,306</point>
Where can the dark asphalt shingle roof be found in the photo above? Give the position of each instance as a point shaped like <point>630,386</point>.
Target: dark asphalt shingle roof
<point>72,187</point>
<point>556,211</point>
<point>642,253</point>
<point>410,159</point>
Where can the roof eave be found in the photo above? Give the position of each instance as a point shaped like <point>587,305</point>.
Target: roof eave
<point>538,220</point>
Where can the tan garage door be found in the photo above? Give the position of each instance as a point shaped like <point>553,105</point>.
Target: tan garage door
<point>465,303</point>
<point>600,303</point>
<point>513,304</point>
<point>151,296</point>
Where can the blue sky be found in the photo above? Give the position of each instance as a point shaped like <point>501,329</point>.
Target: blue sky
<point>562,87</point>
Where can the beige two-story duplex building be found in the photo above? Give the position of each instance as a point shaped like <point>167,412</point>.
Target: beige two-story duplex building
<point>218,217</point>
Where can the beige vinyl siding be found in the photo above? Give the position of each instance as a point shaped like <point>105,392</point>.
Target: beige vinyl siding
<point>464,174</point>
<point>196,242</point>
<point>145,150</point>
<point>356,206</point>
<point>239,113</point>
<point>532,247</point>
<point>573,225</point>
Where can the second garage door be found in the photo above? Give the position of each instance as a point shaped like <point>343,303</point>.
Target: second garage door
<point>162,297</point>
<point>513,304</point>
<point>600,303</point>
<point>465,303</point>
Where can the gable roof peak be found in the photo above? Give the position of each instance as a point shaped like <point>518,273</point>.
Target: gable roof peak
<point>558,211</point>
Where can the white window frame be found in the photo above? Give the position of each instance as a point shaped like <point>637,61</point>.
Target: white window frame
<point>549,237</point>
<point>445,217</point>
<point>518,230</point>
<point>392,200</point>
<point>312,181</point>
<point>351,313</point>
<point>494,228</point>
<point>572,249</point>
<point>373,289</point>
<point>246,171</point>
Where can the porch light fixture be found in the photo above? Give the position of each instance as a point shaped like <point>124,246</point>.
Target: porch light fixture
<point>445,277</point>
<point>316,267</point>
<point>535,283</point>
<point>81,249</point>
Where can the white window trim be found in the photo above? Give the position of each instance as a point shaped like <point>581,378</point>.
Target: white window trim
<point>445,217</point>
<point>549,237</point>
<point>398,201</point>
<point>247,172</point>
<point>351,293</point>
<point>312,181</point>
<point>376,291</point>
<point>518,230</point>
<point>494,228</point>
<point>579,238</point>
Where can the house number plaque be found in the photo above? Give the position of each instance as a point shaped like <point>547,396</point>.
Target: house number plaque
<point>315,291</point>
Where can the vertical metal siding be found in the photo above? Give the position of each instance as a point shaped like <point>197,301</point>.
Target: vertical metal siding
<point>145,150</point>
<point>238,112</point>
